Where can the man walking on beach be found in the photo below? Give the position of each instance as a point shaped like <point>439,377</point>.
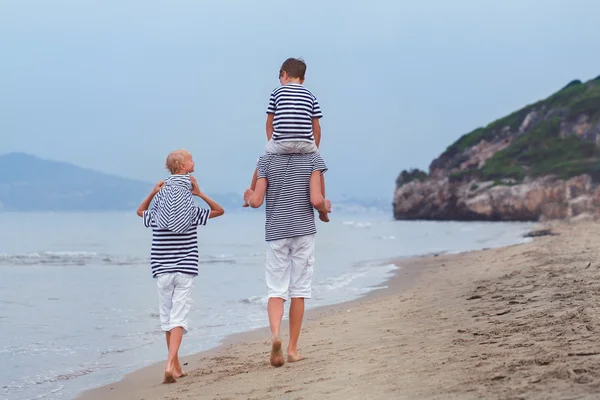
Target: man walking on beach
<point>287,180</point>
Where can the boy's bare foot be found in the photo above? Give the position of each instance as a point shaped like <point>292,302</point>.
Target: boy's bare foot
<point>295,358</point>
<point>178,375</point>
<point>169,377</point>
<point>277,359</point>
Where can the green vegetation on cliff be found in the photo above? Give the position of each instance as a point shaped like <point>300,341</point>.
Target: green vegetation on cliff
<point>410,175</point>
<point>555,136</point>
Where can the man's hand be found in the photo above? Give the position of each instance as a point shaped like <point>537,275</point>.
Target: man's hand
<point>247,195</point>
<point>158,186</point>
<point>195,188</point>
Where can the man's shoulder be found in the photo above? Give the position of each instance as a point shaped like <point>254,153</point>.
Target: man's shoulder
<point>282,160</point>
<point>292,89</point>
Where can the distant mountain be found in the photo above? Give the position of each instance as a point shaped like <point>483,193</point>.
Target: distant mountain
<point>29,183</point>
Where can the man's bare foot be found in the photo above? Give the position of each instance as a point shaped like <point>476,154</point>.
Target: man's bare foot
<point>179,374</point>
<point>169,377</point>
<point>245,205</point>
<point>295,358</point>
<point>277,359</point>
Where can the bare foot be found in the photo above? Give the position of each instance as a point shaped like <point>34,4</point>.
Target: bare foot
<point>169,377</point>
<point>179,373</point>
<point>295,358</point>
<point>245,205</point>
<point>277,359</point>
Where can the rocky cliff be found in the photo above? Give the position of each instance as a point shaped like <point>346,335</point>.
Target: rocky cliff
<point>540,162</point>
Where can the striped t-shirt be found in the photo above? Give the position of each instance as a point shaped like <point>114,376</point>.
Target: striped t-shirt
<point>288,209</point>
<point>175,252</point>
<point>294,108</point>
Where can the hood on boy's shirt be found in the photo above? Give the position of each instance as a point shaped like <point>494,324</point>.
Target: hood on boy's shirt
<point>173,207</point>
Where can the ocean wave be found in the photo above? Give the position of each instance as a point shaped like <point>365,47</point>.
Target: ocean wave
<point>358,224</point>
<point>82,258</point>
<point>75,258</point>
<point>255,300</point>
<point>384,237</point>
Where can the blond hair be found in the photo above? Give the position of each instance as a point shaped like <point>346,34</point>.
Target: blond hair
<point>176,159</point>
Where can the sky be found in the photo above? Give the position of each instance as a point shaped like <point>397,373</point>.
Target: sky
<point>115,85</point>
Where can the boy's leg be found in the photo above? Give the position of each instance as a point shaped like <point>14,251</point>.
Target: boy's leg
<point>277,278</point>
<point>252,184</point>
<point>178,371</point>
<point>182,303</point>
<point>317,199</point>
<point>174,344</point>
<point>303,260</point>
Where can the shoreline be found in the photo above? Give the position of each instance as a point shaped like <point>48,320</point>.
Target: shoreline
<point>147,376</point>
<point>409,269</point>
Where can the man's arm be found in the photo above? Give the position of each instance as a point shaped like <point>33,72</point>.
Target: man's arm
<point>256,197</point>
<point>146,203</point>
<point>215,209</point>
<point>269,126</point>
<point>316,127</point>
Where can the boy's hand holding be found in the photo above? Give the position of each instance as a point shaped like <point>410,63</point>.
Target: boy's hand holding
<point>158,186</point>
<point>215,209</point>
<point>195,188</point>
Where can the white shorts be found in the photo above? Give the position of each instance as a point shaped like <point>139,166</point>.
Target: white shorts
<point>290,267</point>
<point>290,147</point>
<point>174,300</point>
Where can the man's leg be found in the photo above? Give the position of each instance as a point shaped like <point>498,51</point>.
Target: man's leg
<point>278,278</point>
<point>302,260</point>
<point>275,310</point>
<point>296,316</point>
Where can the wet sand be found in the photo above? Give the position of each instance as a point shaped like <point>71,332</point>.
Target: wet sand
<point>520,322</point>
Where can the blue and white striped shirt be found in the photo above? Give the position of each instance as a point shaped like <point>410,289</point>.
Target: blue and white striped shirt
<point>288,209</point>
<point>294,108</point>
<point>175,252</point>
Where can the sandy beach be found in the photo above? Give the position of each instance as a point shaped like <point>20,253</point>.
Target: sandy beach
<point>519,322</point>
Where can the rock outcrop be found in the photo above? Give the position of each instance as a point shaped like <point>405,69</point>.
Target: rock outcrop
<point>531,200</point>
<point>541,162</point>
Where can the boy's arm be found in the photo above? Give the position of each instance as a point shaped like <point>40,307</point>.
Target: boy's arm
<point>316,126</point>
<point>269,126</point>
<point>256,197</point>
<point>215,209</point>
<point>146,203</point>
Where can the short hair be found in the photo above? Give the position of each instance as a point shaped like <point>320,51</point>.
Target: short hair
<point>175,160</point>
<point>294,67</point>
